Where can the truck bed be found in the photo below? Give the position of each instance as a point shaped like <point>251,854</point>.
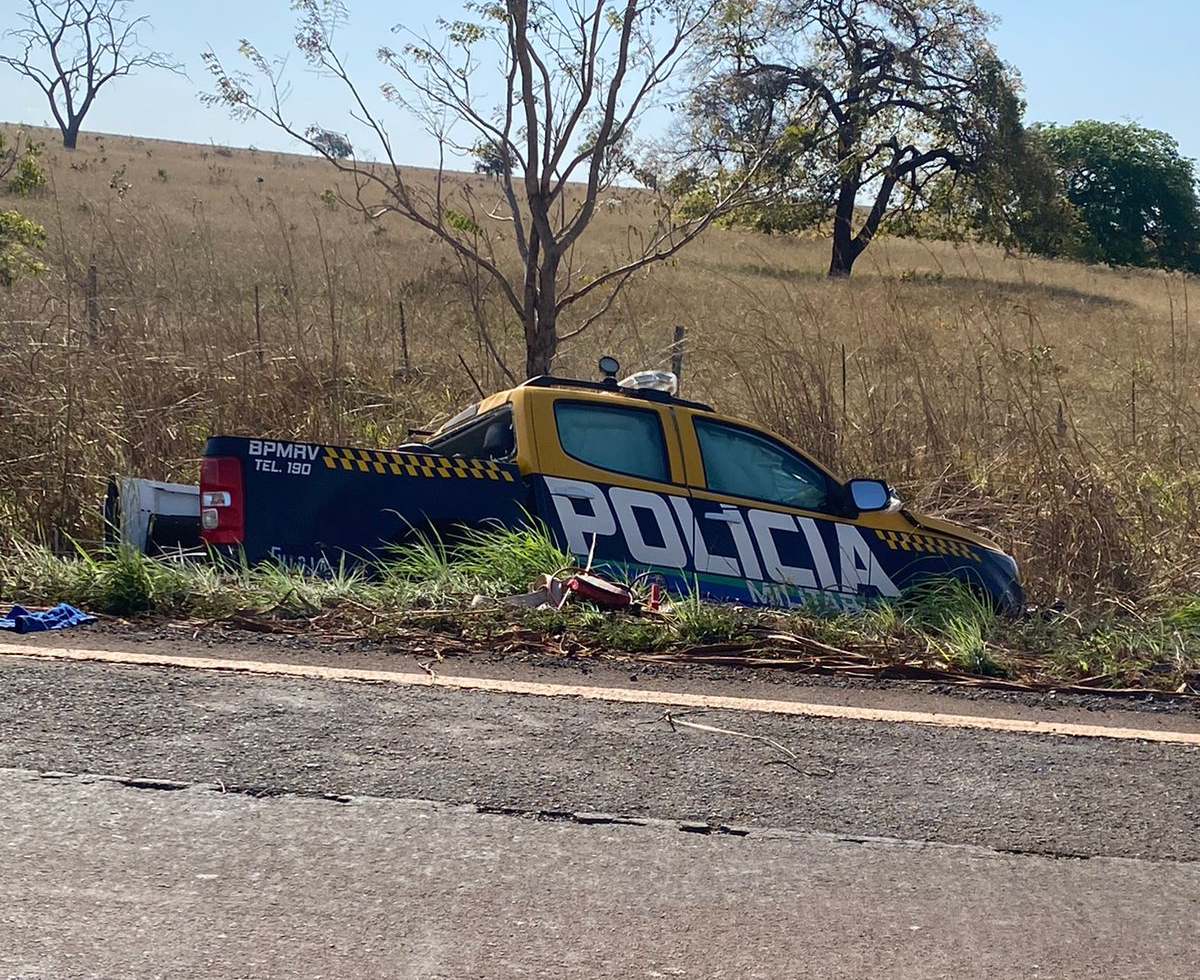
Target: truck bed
<point>314,507</point>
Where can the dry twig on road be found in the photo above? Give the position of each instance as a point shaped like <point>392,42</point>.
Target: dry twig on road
<point>792,761</point>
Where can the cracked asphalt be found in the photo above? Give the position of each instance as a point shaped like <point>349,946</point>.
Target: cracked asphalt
<point>457,855</point>
<point>1082,797</point>
<point>121,882</point>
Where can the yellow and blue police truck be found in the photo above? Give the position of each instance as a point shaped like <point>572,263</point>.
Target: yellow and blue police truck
<point>625,475</point>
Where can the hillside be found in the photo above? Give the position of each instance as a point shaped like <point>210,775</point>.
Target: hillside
<point>1050,402</point>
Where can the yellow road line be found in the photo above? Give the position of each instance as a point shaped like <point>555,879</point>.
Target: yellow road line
<point>619,695</point>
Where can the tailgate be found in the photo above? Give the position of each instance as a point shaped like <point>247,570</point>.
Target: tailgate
<point>307,505</point>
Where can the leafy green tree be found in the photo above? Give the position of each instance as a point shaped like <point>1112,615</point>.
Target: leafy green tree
<point>1009,192</point>
<point>493,158</point>
<point>1134,192</point>
<point>20,165</point>
<point>330,144</point>
<point>20,241</point>
<point>868,103</point>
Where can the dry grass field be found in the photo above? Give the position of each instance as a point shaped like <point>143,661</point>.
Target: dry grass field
<point>1052,404</point>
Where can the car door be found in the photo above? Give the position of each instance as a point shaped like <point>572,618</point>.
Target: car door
<point>609,481</point>
<point>771,527</point>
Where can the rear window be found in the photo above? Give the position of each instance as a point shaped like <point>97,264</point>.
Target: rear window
<point>489,437</point>
<point>612,437</point>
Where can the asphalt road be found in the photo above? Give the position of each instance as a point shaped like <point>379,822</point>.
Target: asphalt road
<point>477,838</point>
<point>102,880</point>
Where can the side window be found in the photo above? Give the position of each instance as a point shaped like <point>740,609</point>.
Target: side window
<point>624,440</point>
<point>745,464</point>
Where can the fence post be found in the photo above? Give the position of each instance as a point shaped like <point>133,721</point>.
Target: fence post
<point>1133,419</point>
<point>404,341</point>
<point>844,415</point>
<point>677,351</point>
<point>258,324</point>
<point>93,305</point>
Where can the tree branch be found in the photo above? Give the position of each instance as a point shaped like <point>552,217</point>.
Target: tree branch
<point>88,43</point>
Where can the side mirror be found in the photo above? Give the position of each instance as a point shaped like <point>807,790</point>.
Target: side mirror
<point>872,495</point>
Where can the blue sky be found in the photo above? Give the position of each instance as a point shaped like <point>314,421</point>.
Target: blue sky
<point>1105,59</point>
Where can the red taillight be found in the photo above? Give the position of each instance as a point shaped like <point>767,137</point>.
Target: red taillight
<point>222,515</point>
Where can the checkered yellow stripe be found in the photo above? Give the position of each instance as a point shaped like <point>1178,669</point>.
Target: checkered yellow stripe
<point>411,464</point>
<point>927,543</point>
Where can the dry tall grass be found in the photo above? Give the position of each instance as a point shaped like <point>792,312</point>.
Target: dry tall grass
<point>1052,404</point>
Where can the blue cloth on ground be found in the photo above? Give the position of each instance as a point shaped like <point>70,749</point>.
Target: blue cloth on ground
<point>62,616</point>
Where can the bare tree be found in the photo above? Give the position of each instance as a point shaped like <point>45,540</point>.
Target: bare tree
<point>71,49</point>
<point>555,88</point>
<point>878,99</point>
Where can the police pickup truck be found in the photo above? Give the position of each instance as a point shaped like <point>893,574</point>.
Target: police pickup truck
<point>625,475</point>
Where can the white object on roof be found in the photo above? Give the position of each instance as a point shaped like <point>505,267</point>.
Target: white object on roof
<point>652,380</point>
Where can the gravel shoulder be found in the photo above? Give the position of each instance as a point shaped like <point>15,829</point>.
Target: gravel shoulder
<point>1150,711</point>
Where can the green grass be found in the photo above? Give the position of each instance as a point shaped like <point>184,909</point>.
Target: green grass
<point>126,583</point>
<point>430,583</point>
<point>693,622</point>
<point>427,572</point>
<point>1185,612</point>
<point>488,560</point>
<point>960,624</point>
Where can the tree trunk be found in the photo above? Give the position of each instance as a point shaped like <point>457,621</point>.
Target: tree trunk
<point>540,347</point>
<point>841,263</point>
<point>71,136</point>
<point>845,248</point>
<point>541,327</point>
